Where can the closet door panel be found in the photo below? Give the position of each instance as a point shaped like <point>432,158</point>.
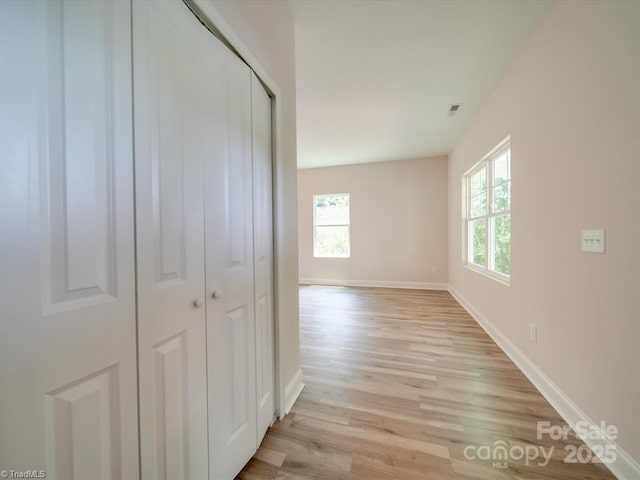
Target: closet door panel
<point>170,243</point>
<point>67,329</point>
<point>229,262</point>
<point>263,258</point>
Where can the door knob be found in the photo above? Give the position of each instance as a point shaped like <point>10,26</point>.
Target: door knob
<point>216,294</point>
<point>198,302</point>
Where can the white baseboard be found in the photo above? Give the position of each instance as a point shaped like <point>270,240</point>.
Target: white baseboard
<point>374,283</point>
<point>625,467</point>
<point>292,391</point>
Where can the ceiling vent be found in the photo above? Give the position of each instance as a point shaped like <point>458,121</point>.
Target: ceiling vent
<point>453,109</point>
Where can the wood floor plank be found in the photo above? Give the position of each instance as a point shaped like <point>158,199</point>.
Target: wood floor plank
<point>398,384</point>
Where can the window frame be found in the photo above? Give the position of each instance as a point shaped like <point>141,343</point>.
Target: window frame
<point>315,225</point>
<point>487,163</point>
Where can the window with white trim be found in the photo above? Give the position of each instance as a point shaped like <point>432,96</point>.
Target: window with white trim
<point>488,219</point>
<point>331,225</point>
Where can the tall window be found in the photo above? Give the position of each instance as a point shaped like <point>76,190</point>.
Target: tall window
<point>331,226</point>
<point>488,187</point>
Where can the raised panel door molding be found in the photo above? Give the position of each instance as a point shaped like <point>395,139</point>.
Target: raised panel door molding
<point>236,111</point>
<point>78,211</point>
<point>239,374</point>
<point>83,436</point>
<point>264,355</point>
<point>170,379</point>
<point>166,120</point>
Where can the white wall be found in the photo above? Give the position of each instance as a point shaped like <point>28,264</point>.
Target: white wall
<point>398,223</point>
<point>266,28</point>
<point>571,103</point>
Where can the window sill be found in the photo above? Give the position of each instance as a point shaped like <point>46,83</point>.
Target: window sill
<point>332,256</point>
<point>503,279</point>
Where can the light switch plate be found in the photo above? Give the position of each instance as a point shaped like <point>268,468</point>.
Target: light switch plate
<point>592,241</point>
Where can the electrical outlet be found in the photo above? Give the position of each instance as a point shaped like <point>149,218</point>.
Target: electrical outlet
<point>434,269</point>
<point>533,332</point>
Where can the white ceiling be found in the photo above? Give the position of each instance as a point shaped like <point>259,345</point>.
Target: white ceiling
<point>375,78</point>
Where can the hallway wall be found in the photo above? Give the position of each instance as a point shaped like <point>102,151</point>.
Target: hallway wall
<point>571,104</point>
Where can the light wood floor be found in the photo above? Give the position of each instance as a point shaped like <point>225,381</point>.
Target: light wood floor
<point>398,384</point>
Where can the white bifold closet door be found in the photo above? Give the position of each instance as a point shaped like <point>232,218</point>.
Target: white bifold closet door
<point>238,245</point>
<point>229,262</point>
<point>205,308</point>
<point>68,390</point>
<point>169,146</point>
<point>263,258</point>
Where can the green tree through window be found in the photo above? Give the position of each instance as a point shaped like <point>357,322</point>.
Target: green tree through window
<point>488,221</point>
<point>331,225</point>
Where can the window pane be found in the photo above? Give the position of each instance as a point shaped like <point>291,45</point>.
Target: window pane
<point>478,242</point>
<point>502,197</point>
<point>478,205</point>
<point>332,242</point>
<point>478,182</point>
<point>501,171</point>
<point>501,228</point>
<point>332,210</point>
